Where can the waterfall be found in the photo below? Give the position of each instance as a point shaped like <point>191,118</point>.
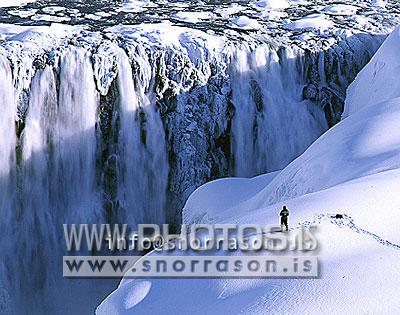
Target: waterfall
<point>123,129</point>
<point>8,139</point>
<point>59,142</point>
<point>7,177</point>
<point>143,160</point>
<point>273,124</point>
<point>74,152</point>
<point>56,175</point>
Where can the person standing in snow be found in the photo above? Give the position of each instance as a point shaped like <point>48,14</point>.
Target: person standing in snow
<point>284,218</point>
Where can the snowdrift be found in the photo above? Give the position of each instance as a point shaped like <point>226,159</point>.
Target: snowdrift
<point>353,169</point>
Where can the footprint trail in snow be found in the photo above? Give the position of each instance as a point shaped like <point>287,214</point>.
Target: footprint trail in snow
<point>347,222</point>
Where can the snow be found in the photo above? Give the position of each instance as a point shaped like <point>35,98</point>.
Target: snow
<point>192,17</point>
<point>244,23</point>
<point>53,9</point>
<point>372,84</point>
<point>170,35</point>
<point>41,35</point>
<point>378,3</point>
<point>340,9</point>
<point>14,3</point>
<point>300,2</point>
<point>22,13</point>
<point>135,6</point>
<point>356,147</point>
<point>137,294</point>
<point>226,12</point>
<point>94,17</point>
<point>272,17</point>
<point>311,22</point>
<point>201,69</point>
<point>360,21</point>
<point>273,4</point>
<point>268,15</point>
<point>222,194</point>
<point>353,169</point>
<point>271,10</point>
<point>50,18</point>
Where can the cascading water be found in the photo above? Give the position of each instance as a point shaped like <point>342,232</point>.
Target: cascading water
<point>7,175</point>
<point>8,138</point>
<point>56,175</point>
<point>74,151</point>
<point>273,123</point>
<point>143,159</point>
<point>124,129</point>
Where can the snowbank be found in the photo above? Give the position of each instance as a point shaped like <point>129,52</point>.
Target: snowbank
<point>353,169</point>
<point>379,81</point>
<point>214,197</point>
<point>244,23</point>
<point>39,35</point>
<point>311,22</point>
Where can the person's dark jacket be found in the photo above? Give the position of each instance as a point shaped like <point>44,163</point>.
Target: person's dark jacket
<point>284,213</point>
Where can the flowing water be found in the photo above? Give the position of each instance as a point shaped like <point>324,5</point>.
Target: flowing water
<point>122,132</point>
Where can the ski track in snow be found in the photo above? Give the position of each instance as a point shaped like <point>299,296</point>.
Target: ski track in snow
<point>346,222</point>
